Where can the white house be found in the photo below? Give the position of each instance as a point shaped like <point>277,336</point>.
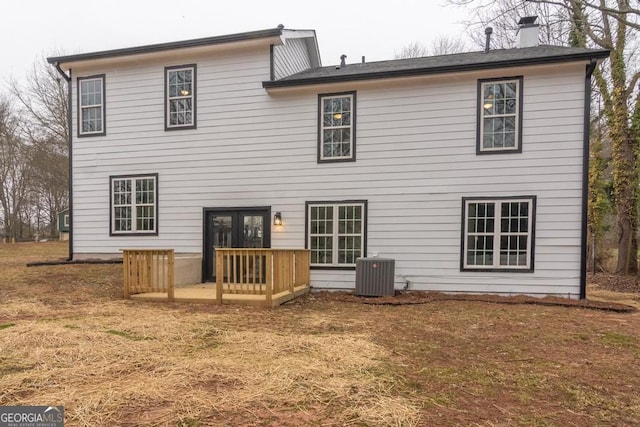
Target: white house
<point>470,170</point>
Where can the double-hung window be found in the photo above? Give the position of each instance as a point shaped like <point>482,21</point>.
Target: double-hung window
<point>336,232</point>
<point>337,127</point>
<point>180,93</point>
<point>134,204</point>
<point>498,234</point>
<point>499,115</point>
<point>91,117</point>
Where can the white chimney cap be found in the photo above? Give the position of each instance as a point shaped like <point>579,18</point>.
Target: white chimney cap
<point>528,32</point>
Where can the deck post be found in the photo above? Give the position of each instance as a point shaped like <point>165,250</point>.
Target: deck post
<point>170,272</point>
<point>269,281</point>
<point>219,277</point>
<point>125,274</point>
<point>292,272</point>
<point>148,274</point>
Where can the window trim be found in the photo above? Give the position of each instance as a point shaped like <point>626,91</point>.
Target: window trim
<point>532,235</point>
<point>353,96</point>
<point>102,132</point>
<point>335,203</point>
<point>194,96</point>
<point>480,116</point>
<point>112,178</point>
<point>65,220</point>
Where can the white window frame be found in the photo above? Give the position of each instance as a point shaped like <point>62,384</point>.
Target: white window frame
<point>517,147</point>
<point>133,205</point>
<point>352,127</point>
<point>65,220</point>
<point>335,235</point>
<point>82,107</point>
<point>498,233</point>
<point>191,96</point>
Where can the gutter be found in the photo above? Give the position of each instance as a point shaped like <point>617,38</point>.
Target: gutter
<point>585,176</point>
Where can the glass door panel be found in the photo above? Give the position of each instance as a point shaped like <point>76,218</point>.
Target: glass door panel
<point>221,227</point>
<point>253,231</point>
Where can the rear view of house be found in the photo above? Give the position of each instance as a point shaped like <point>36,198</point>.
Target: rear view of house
<point>469,170</point>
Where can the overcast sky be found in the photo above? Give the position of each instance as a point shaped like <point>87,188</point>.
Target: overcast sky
<point>373,28</point>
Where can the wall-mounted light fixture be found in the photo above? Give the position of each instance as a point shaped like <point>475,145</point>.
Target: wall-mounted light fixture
<point>277,219</point>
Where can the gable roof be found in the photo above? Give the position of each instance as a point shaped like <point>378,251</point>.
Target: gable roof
<point>470,61</point>
<point>184,44</point>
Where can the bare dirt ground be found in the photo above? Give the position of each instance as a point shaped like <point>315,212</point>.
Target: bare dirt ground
<point>67,337</point>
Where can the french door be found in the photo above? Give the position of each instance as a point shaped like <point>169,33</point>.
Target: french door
<point>234,228</point>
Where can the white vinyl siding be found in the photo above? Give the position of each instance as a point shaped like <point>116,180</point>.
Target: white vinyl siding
<point>290,58</point>
<point>416,160</point>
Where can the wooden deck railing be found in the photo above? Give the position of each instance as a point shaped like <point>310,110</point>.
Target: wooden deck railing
<point>260,271</point>
<point>148,270</point>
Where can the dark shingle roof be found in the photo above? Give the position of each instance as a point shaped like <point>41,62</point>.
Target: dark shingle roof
<point>497,58</point>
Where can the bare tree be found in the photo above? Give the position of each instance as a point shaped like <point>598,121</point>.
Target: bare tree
<point>44,108</point>
<point>412,50</point>
<point>44,103</point>
<point>503,17</point>
<point>15,171</point>
<point>444,45</point>
<point>441,45</point>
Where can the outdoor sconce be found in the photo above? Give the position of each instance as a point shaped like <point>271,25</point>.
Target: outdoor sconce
<point>277,219</point>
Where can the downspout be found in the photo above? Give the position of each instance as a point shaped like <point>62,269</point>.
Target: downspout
<point>70,130</point>
<point>585,176</point>
<point>272,74</point>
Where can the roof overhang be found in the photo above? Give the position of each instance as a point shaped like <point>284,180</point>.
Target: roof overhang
<point>185,47</point>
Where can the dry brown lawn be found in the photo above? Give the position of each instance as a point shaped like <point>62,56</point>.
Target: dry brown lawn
<point>67,338</point>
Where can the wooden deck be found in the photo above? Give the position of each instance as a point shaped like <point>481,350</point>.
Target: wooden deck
<point>205,293</point>
<point>249,276</point>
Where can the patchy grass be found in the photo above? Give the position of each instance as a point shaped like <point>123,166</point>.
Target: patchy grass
<point>317,361</point>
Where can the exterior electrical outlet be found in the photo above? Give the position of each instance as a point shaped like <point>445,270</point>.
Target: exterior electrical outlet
<point>374,277</point>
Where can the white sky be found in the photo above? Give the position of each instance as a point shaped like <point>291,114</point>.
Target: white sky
<point>373,28</point>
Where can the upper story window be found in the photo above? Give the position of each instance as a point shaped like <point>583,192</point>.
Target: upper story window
<point>499,115</point>
<point>91,118</point>
<point>134,204</point>
<point>336,127</point>
<point>336,232</point>
<point>498,233</point>
<point>180,106</point>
